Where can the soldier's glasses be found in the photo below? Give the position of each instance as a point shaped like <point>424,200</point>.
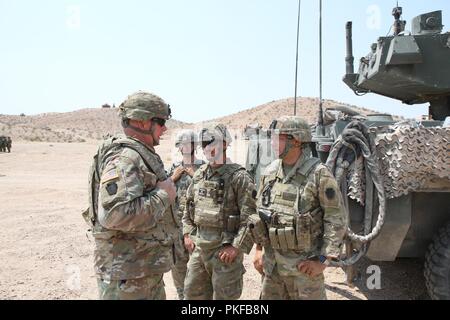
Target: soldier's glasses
<point>161,122</point>
<point>207,143</point>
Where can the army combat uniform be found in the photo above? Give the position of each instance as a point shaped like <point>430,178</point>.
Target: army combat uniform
<point>181,254</point>
<point>131,219</point>
<point>300,218</point>
<point>308,220</point>
<point>218,204</point>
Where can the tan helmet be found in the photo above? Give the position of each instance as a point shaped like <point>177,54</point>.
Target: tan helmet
<point>186,136</point>
<point>215,132</point>
<point>294,126</point>
<point>144,106</point>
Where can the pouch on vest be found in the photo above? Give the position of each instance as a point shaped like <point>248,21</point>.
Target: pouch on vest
<point>274,238</point>
<point>289,233</point>
<point>207,211</point>
<point>282,239</point>
<point>233,223</point>
<point>285,231</point>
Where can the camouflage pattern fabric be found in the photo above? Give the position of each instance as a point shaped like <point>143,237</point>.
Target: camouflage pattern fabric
<point>292,125</point>
<point>299,287</point>
<point>143,106</point>
<point>219,202</point>
<point>5,144</point>
<point>147,288</point>
<point>134,227</point>
<point>8,143</point>
<point>181,254</point>
<point>309,220</point>
<point>410,159</point>
<point>209,278</point>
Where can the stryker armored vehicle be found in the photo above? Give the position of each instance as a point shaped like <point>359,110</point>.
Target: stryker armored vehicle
<point>396,175</point>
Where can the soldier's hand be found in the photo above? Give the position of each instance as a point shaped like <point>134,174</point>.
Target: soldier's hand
<point>311,268</point>
<point>190,171</point>
<point>188,243</point>
<point>228,254</point>
<point>169,187</point>
<point>177,173</point>
<point>258,261</point>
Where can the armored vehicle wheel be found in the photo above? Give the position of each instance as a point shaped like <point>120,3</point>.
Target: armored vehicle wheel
<point>437,265</point>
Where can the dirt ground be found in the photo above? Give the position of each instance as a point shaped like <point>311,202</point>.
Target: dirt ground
<point>47,254</point>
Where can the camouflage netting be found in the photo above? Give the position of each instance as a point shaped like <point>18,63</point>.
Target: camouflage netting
<point>410,158</point>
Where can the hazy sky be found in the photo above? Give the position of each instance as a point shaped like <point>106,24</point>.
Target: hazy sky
<point>207,58</point>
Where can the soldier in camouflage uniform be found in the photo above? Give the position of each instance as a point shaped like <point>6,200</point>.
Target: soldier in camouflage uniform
<point>182,173</point>
<point>219,201</point>
<point>301,210</point>
<point>8,143</point>
<point>131,197</point>
<point>2,144</point>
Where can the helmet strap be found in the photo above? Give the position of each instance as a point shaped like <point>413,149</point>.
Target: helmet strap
<point>126,124</point>
<point>289,145</point>
<point>286,150</point>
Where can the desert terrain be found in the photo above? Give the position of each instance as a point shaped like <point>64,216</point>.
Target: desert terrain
<point>45,250</point>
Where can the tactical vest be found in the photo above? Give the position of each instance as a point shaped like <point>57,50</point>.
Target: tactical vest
<point>211,211</point>
<point>294,225</point>
<point>152,162</point>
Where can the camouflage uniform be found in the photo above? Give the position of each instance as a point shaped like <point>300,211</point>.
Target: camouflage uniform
<point>8,143</point>
<point>219,202</point>
<point>181,253</point>
<point>2,144</point>
<point>308,219</point>
<point>132,220</point>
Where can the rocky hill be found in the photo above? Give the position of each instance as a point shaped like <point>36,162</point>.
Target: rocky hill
<point>77,126</point>
<point>264,114</point>
<point>92,124</point>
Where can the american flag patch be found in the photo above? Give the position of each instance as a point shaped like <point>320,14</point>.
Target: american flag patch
<point>110,175</point>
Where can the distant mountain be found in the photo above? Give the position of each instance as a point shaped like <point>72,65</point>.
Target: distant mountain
<point>308,108</point>
<point>92,124</point>
<point>77,126</point>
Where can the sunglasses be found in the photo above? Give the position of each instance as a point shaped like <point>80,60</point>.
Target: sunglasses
<point>161,122</point>
<point>207,143</point>
<point>288,136</point>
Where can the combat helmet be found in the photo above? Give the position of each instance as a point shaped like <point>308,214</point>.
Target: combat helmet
<point>186,136</point>
<point>294,126</point>
<point>215,132</point>
<point>144,106</point>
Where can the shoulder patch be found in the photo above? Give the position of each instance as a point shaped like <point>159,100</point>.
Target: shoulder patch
<point>330,193</point>
<point>111,188</point>
<point>109,175</point>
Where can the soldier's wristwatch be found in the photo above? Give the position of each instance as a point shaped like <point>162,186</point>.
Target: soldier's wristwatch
<point>323,260</point>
